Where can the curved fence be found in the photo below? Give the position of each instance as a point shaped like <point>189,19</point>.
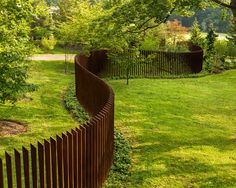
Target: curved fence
<point>79,158</point>
<point>148,64</point>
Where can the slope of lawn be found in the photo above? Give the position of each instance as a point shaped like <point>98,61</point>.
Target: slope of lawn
<point>182,132</point>
<point>45,115</point>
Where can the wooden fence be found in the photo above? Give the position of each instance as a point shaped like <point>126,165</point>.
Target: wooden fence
<point>81,157</point>
<point>160,64</point>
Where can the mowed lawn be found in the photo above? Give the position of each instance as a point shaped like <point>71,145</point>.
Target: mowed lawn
<point>182,131</point>
<point>45,115</point>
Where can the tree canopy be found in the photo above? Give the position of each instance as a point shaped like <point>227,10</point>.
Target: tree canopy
<point>120,24</point>
<point>16,18</point>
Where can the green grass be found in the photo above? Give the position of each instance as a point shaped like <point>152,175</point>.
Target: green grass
<point>45,115</point>
<point>182,131</point>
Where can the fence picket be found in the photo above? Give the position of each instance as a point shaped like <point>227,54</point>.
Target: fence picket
<point>1,174</point>
<point>70,158</point>
<point>18,169</point>
<point>59,161</point>
<point>79,153</point>
<point>65,160</point>
<point>34,166</point>
<point>9,170</point>
<point>26,167</point>
<point>53,162</point>
<point>48,163</point>
<point>75,157</point>
<point>41,165</point>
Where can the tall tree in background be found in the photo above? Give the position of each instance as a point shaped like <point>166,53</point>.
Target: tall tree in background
<point>196,36</point>
<point>230,4</point>
<point>15,46</point>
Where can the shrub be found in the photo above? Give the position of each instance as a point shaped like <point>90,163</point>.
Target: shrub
<point>221,47</point>
<point>196,35</point>
<point>119,172</point>
<point>49,43</point>
<point>73,105</point>
<point>231,49</point>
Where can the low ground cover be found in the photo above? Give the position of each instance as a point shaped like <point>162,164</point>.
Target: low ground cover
<point>44,114</point>
<point>182,131</point>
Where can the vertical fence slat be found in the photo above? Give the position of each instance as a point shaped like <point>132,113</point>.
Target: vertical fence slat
<point>70,158</point>
<point>80,153</point>
<point>26,167</point>
<point>89,155</point>
<point>65,160</point>
<point>75,157</point>
<point>1,174</point>
<point>41,165</point>
<point>59,162</point>
<point>53,162</point>
<point>48,163</point>
<point>34,166</point>
<point>84,157</point>
<point>18,169</point>
<point>9,170</point>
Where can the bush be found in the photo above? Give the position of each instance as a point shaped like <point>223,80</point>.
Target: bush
<point>231,49</point>
<point>150,43</point>
<point>73,106</point>
<point>119,172</point>
<point>221,47</point>
<point>49,43</point>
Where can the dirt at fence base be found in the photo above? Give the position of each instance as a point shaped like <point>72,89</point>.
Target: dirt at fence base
<point>8,127</point>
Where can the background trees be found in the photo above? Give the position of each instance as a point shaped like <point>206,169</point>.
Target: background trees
<point>16,18</point>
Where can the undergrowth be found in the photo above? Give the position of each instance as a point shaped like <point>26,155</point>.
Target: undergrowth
<point>73,106</point>
<point>119,173</point>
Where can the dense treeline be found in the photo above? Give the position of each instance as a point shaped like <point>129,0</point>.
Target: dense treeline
<point>220,19</point>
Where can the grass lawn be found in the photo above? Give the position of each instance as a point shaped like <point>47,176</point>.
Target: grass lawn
<point>182,131</point>
<point>45,114</point>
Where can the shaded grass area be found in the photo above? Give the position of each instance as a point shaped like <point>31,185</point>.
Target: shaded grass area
<point>182,131</point>
<point>45,114</point>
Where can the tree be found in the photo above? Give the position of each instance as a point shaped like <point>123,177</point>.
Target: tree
<point>196,36</point>
<point>210,53</point>
<point>176,31</point>
<point>15,47</point>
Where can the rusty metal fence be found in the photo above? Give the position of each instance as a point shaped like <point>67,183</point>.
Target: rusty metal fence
<point>160,63</point>
<point>80,158</point>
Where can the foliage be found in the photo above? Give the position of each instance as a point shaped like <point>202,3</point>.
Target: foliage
<point>65,10</point>
<point>218,16</point>
<point>210,57</point>
<point>15,47</point>
<point>196,36</point>
<point>49,43</point>
<point>176,31</point>
<point>119,172</point>
<point>77,30</point>
<point>42,25</point>
<point>73,106</point>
